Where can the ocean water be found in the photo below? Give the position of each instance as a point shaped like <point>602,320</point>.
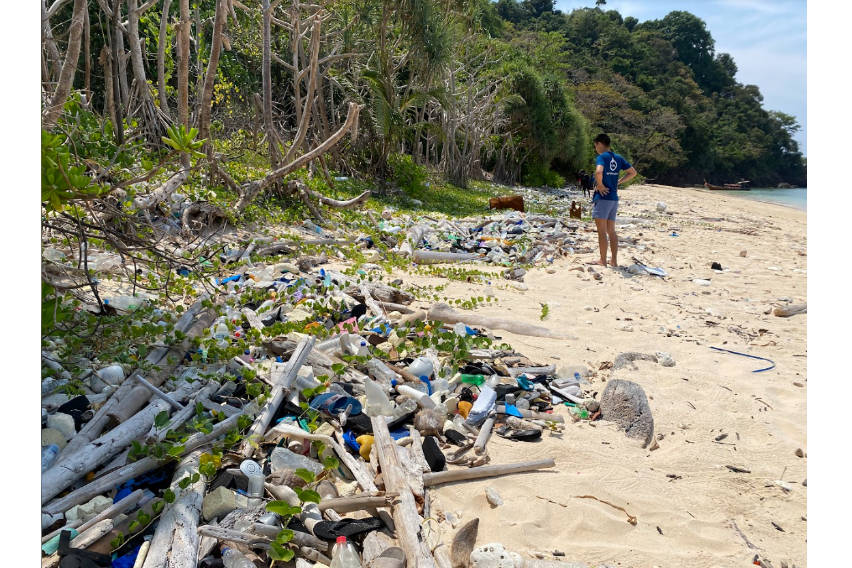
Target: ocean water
<point>796,197</point>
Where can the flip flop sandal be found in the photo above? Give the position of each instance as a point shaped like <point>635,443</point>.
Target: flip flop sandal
<point>333,404</point>
<point>330,530</point>
<point>455,437</point>
<point>527,435</point>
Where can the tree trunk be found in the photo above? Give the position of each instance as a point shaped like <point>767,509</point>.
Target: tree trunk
<point>87,57</point>
<point>161,58</point>
<point>210,77</point>
<point>266,73</point>
<point>148,110</point>
<point>118,92</point>
<point>53,56</point>
<point>309,98</point>
<point>69,67</point>
<point>109,101</point>
<point>183,64</point>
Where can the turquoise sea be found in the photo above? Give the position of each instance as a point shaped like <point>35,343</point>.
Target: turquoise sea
<point>796,197</point>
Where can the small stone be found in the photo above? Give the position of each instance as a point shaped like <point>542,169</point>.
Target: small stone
<point>64,423</point>
<point>551,271</point>
<point>798,384</point>
<point>701,282</point>
<point>625,327</point>
<point>592,405</point>
<point>800,453</point>
<point>494,555</point>
<point>589,308</point>
<point>805,482</point>
<point>743,253</point>
<point>661,206</point>
<point>220,502</point>
<point>665,359</point>
<point>493,497</point>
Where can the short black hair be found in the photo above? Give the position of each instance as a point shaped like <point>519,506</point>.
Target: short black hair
<point>603,139</point>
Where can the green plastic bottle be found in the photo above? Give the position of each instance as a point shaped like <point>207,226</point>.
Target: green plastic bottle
<point>476,380</point>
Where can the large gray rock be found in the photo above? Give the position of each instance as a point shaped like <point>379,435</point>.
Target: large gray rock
<point>625,403</point>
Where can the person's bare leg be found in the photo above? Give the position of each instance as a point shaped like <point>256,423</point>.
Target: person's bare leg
<point>602,238</point>
<point>613,241</point>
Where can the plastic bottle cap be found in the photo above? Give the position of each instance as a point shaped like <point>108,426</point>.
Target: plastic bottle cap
<point>341,539</point>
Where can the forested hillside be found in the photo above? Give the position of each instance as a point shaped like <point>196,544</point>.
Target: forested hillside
<point>381,89</point>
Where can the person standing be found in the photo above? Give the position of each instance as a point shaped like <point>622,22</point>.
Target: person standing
<point>605,200</point>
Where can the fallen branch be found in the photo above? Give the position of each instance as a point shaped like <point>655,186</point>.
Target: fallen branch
<point>432,479</point>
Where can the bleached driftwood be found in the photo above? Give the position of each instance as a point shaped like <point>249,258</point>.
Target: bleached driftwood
<point>175,542</point>
<point>179,418</point>
<point>417,449</point>
<point>444,313</point>
<point>785,312</point>
<point>300,538</point>
<point>60,477</point>
<point>405,516</point>
<point>361,502</point>
<point>288,375</point>
<point>158,393</point>
<point>121,403</point>
<point>432,479</point>
<point>111,479</point>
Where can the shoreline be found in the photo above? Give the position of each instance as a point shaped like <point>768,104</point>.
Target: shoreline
<point>718,193</point>
<point>710,410</point>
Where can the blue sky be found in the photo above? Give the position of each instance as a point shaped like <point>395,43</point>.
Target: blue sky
<point>767,39</point>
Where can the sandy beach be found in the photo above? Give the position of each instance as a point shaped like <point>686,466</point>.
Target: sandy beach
<point>710,409</point>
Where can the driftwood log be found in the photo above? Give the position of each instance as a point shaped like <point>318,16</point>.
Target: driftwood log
<point>60,477</point>
<point>175,542</point>
<point>405,516</point>
<point>284,381</point>
<point>129,471</point>
<point>785,312</point>
<point>121,403</point>
<point>432,479</point>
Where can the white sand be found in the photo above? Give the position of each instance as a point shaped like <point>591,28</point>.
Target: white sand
<point>707,393</point>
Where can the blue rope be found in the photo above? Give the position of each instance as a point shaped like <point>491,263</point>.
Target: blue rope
<point>751,356</point>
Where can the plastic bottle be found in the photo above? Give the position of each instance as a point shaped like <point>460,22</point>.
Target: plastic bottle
<point>421,367</point>
<point>473,379</point>
<point>232,558</point>
<point>48,456</point>
<point>343,555</point>
<point>378,403</point>
<point>124,303</point>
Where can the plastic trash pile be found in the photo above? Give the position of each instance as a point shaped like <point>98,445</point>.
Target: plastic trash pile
<point>258,440</point>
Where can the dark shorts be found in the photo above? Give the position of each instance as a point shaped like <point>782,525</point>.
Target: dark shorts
<point>605,209</point>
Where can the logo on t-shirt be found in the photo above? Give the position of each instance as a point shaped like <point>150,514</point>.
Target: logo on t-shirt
<point>613,165</point>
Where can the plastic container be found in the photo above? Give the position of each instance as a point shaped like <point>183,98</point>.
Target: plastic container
<point>421,367</point>
<point>378,403</point>
<point>475,380</point>
<point>343,555</point>
<point>381,372</point>
<point>48,456</point>
<point>232,558</point>
<point>282,458</point>
<point>124,303</point>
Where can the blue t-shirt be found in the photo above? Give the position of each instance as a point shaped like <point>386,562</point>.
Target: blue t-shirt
<point>612,164</point>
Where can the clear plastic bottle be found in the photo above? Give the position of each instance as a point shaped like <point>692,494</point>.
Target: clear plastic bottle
<point>378,403</point>
<point>232,558</point>
<point>343,555</point>
<point>48,456</point>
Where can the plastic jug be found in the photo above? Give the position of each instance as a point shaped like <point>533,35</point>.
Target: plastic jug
<point>421,367</point>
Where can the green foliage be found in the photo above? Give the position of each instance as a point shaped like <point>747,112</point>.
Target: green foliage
<point>182,140</point>
<point>63,181</point>
<point>407,175</point>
